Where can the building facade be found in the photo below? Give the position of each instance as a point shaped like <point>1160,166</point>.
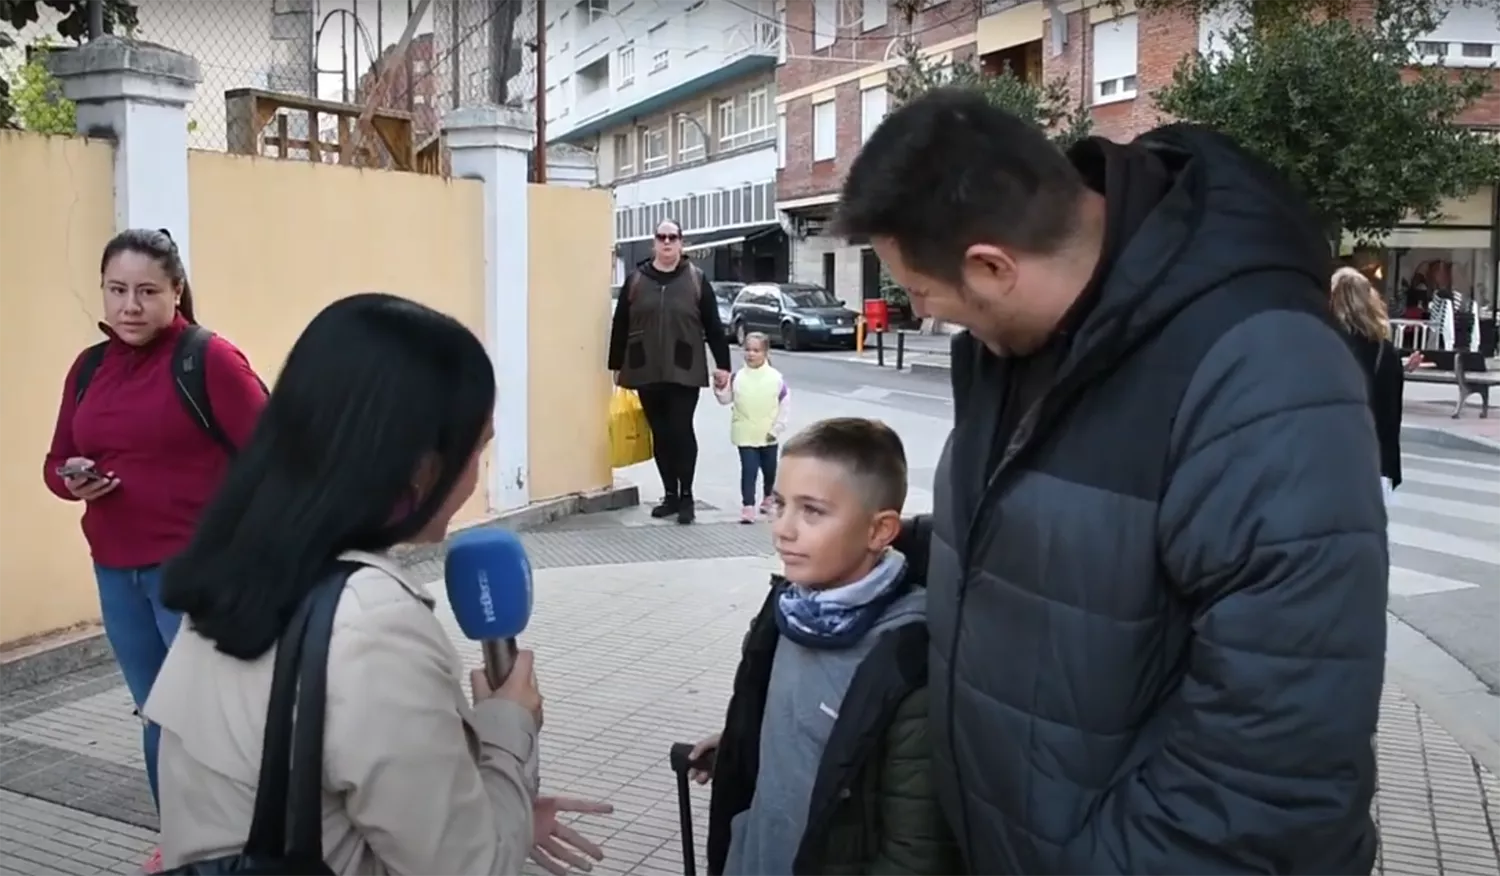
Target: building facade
<point>1115,60</point>
<point>831,92</point>
<point>677,102</point>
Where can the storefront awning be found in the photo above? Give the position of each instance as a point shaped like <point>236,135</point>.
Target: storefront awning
<point>728,236</point>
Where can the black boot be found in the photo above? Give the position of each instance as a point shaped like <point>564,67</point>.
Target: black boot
<point>669,506</point>
<point>686,513</point>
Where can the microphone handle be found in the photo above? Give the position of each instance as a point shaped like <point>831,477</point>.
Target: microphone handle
<point>499,658</point>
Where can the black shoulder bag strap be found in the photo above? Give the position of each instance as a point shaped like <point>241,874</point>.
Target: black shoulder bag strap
<point>288,821</point>
<point>88,363</point>
<point>188,362</point>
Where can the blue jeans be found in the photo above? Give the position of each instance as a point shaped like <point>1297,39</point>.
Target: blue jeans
<point>757,461</point>
<point>139,630</point>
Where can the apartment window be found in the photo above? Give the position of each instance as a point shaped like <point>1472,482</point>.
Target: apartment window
<point>1468,36</point>
<point>625,66</point>
<point>825,136</point>
<point>745,119</point>
<point>654,153</point>
<point>781,138</point>
<point>592,10</point>
<point>872,108</point>
<point>657,37</point>
<point>875,14</point>
<point>1115,45</point>
<point>624,165</point>
<point>690,145</point>
<point>419,68</point>
<point>825,23</point>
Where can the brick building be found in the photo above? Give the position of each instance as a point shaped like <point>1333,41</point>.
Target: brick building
<point>417,95</point>
<point>831,93</point>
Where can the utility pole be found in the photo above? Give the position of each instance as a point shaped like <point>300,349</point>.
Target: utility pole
<point>96,19</point>
<point>540,152</point>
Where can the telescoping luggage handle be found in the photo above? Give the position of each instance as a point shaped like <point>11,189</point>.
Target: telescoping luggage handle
<point>682,763</point>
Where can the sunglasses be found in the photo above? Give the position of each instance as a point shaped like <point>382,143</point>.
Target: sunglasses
<point>668,238</point>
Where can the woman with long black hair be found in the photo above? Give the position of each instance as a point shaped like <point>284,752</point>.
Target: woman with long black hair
<point>372,438</point>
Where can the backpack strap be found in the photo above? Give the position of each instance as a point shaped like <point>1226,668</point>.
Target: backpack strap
<point>88,363</point>
<point>284,825</point>
<point>188,377</point>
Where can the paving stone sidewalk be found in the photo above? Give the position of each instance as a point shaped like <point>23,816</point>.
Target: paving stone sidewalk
<point>633,656</point>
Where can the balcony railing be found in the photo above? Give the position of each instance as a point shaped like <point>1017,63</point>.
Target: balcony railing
<point>758,37</point>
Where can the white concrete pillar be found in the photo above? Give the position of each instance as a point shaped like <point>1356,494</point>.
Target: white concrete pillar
<point>492,144</point>
<point>571,166</point>
<point>136,94</point>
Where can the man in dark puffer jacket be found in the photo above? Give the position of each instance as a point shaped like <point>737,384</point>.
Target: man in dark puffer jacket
<point>1158,563</point>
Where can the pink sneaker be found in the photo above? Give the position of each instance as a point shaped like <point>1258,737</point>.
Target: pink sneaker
<point>153,863</point>
<point>767,505</point>
<point>747,514</point>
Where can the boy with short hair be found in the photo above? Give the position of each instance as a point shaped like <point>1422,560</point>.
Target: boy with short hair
<point>822,766</point>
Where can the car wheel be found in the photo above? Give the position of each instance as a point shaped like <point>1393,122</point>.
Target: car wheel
<point>789,337</point>
<point>739,333</point>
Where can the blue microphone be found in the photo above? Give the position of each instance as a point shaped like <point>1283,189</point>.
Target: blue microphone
<point>489,588</point>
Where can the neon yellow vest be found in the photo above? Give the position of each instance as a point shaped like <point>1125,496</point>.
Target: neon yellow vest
<point>757,398</point>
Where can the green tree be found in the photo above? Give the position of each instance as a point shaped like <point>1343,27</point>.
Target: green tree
<point>1335,106</point>
<point>1048,104</point>
<point>35,93</point>
<point>37,97</point>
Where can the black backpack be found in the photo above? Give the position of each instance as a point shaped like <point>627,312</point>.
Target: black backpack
<point>187,378</point>
<point>286,832</point>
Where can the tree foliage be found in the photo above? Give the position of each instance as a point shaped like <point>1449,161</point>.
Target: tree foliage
<point>1336,105</point>
<point>33,79</point>
<point>1048,105</point>
<point>37,99</point>
<point>74,24</point>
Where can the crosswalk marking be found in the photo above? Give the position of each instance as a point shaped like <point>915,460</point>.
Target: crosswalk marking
<point>1405,582</point>
<point>1406,500</point>
<point>1436,540</point>
<point>1428,523</point>
<point>1486,467</point>
<point>1478,482</point>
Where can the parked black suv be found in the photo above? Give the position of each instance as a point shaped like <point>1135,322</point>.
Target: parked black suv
<point>794,315</point>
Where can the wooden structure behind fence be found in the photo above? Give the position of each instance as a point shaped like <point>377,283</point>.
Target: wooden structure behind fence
<point>261,123</point>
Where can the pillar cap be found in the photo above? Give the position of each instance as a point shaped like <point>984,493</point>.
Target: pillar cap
<point>490,127</point>
<point>115,68</point>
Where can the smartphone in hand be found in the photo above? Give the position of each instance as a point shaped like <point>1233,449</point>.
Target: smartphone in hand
<point>79,470</point>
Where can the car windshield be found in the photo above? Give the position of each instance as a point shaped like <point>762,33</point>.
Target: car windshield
<point>809,296</point>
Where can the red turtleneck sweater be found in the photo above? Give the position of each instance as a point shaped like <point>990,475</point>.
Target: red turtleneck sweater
<point>132,423</point>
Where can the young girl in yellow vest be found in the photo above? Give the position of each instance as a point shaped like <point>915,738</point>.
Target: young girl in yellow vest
<point>761,404</point>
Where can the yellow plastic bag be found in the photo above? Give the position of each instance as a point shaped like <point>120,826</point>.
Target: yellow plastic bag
<point>629,434</point>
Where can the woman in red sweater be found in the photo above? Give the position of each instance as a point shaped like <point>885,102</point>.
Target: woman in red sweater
<point>142,453</point>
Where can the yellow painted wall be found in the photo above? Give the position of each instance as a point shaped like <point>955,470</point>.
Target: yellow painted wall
<point>571,263</point>
<point>275,241</point>
<point>56,212</point>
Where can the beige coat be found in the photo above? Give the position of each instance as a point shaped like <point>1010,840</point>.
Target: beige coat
<point>415,780</point>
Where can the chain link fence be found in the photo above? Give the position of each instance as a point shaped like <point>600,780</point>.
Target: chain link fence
<point>464,53</point>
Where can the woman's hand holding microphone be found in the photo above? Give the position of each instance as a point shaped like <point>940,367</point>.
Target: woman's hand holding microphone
<point>519,687</point>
